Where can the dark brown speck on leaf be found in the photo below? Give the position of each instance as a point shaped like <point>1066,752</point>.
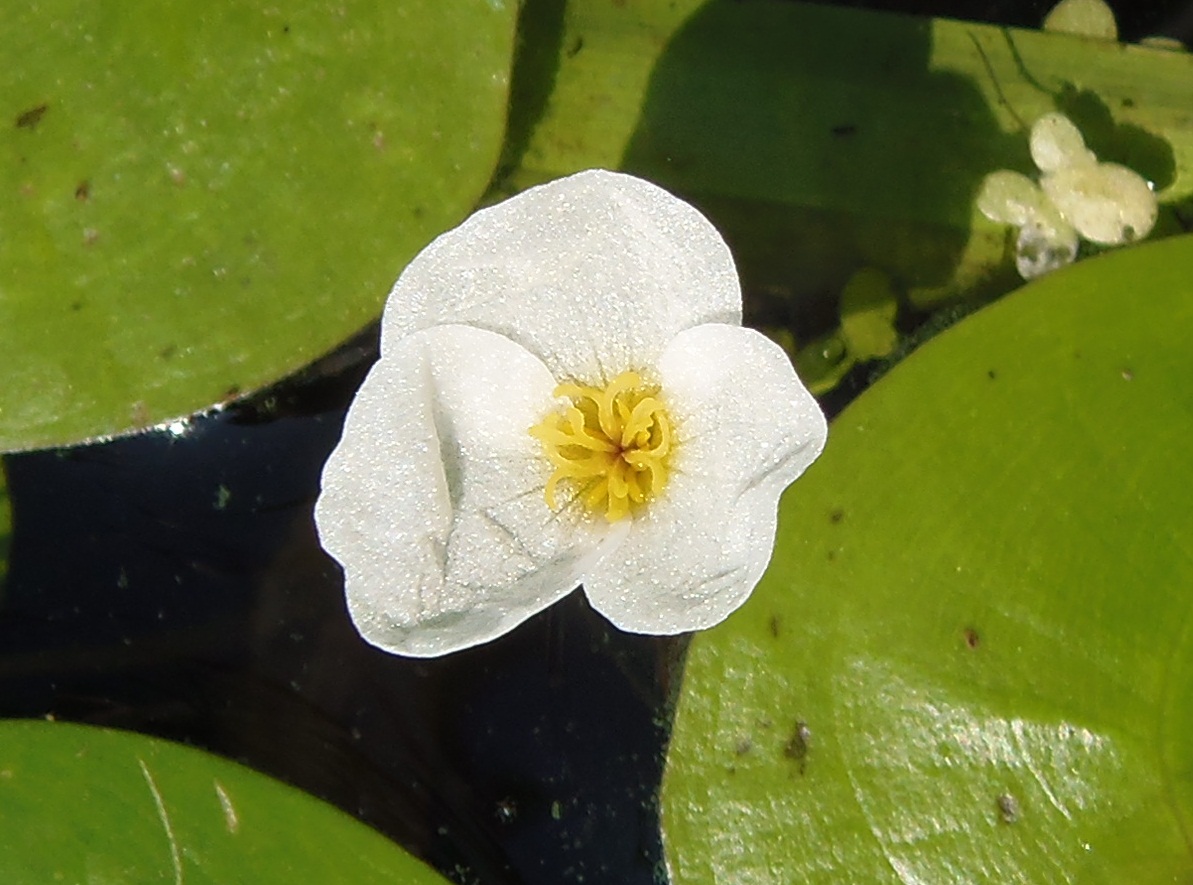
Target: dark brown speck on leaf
<point>30,118</point>
<point>798,744</point>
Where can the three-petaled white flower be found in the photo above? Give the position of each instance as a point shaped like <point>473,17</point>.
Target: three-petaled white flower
<point>565,396</point>
<point>1105,203</point>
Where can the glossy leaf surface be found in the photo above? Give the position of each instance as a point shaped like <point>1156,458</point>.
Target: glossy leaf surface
<point>82,804</point>
<point>194,203</point>
<point>972,656</point>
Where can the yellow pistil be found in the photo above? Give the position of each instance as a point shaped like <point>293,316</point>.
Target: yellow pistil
<point>613,445</point>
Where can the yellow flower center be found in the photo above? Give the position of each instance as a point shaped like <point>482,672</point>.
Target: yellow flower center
<point>613,445</point>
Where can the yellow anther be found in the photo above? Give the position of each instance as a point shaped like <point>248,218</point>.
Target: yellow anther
<point>612,445</point>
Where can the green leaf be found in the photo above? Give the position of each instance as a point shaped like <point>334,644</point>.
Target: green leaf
<point>972,656</point>
<point>822,363</point>
<point>81,804</point>
<point>195,202</point>
<point>823,139</point>
<point>868,309</point>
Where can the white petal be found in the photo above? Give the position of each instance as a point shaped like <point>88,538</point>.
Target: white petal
<point>593,274</point>
<point>433,500</point>
<point>1056,143</point>
<point>1009,197</point>
<point>746,428</point>
<point>1107,203</point>
<point>1046,242</point>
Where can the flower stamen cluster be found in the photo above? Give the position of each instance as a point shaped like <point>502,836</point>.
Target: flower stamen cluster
<point>614,444</point>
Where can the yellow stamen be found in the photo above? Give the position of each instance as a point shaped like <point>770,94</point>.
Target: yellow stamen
<point>612,445</point>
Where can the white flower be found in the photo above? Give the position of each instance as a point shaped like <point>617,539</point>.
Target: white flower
<point>564,396</point>
<point>1103,202</point>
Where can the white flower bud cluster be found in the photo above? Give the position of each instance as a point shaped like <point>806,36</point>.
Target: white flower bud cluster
<point>1076,197</point>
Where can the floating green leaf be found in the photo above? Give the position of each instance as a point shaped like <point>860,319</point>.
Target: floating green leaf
<point>972,656</point>
<point>868,309</point>
<point>194,202</point>
<point>824,139</point>
<point>80,804</point>
<point>822,363</point>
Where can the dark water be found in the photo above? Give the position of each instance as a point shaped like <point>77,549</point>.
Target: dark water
<point>1136,20</point>
<point>174,585</point>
